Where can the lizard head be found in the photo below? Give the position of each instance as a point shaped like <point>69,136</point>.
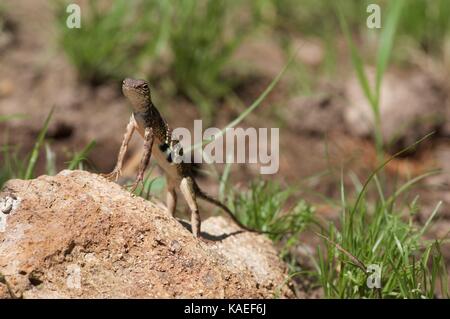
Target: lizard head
<point>138,92</point>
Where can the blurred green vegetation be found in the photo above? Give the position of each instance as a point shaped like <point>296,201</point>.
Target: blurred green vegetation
<point>424,23</point>
<point>2,18</point>
<point>203,39</point>
<point>191,40</point>
<point>190,43</point>
<point>14,165</point>
<point>114,40</point>
<point>373,92</point>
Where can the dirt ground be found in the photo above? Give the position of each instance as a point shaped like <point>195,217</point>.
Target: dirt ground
<point>319,134</point>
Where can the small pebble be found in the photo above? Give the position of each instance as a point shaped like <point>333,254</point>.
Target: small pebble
<point>8,204</point>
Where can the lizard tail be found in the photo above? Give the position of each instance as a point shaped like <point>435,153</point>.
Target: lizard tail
<point>214,201</point>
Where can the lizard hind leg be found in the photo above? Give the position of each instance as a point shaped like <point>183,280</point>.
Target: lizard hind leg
<point>188,191</point>
<point>171,198</point>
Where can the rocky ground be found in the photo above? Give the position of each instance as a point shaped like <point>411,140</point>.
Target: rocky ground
<point>76,235</point>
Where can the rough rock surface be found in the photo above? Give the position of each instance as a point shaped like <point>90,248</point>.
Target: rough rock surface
<point>78,235</point>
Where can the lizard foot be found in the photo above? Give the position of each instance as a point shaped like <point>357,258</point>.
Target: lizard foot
<point>132,187</point>
<point>113,176</point>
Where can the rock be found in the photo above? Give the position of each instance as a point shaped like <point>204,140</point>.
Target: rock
<point>411,106</point>
<point>76,235</point>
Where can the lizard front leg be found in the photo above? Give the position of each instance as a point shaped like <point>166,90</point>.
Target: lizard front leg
<point>187,189</point>
<point>171,197</point>
<point>148,144</point>
<point>117,172</point>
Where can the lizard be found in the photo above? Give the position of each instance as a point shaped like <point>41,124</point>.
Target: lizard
<point>157,135</point>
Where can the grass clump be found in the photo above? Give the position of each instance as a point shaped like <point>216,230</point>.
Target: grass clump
<point>114,39</point>
<point>371,238</point>
<point>373,92</point>
<point>264,206</point>
<point>191,41</point>
<point>2,18</point>
<point>426,24</point>
<point>12,165</point>
<point>381,236</point>
<point>202,40</point>
<point>15,167</point>
<point>6,28</point>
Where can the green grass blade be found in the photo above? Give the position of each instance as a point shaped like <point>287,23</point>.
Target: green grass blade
<point>356,59</point>
<point>387,40</point>
<point>4,118</point>
<point>81,156</point>
<point>37,146</point>
<point>427,223</point>
<point>224,181</point>
<point>250,109</point>
<point>382,165</point>
<point>409,184</point>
